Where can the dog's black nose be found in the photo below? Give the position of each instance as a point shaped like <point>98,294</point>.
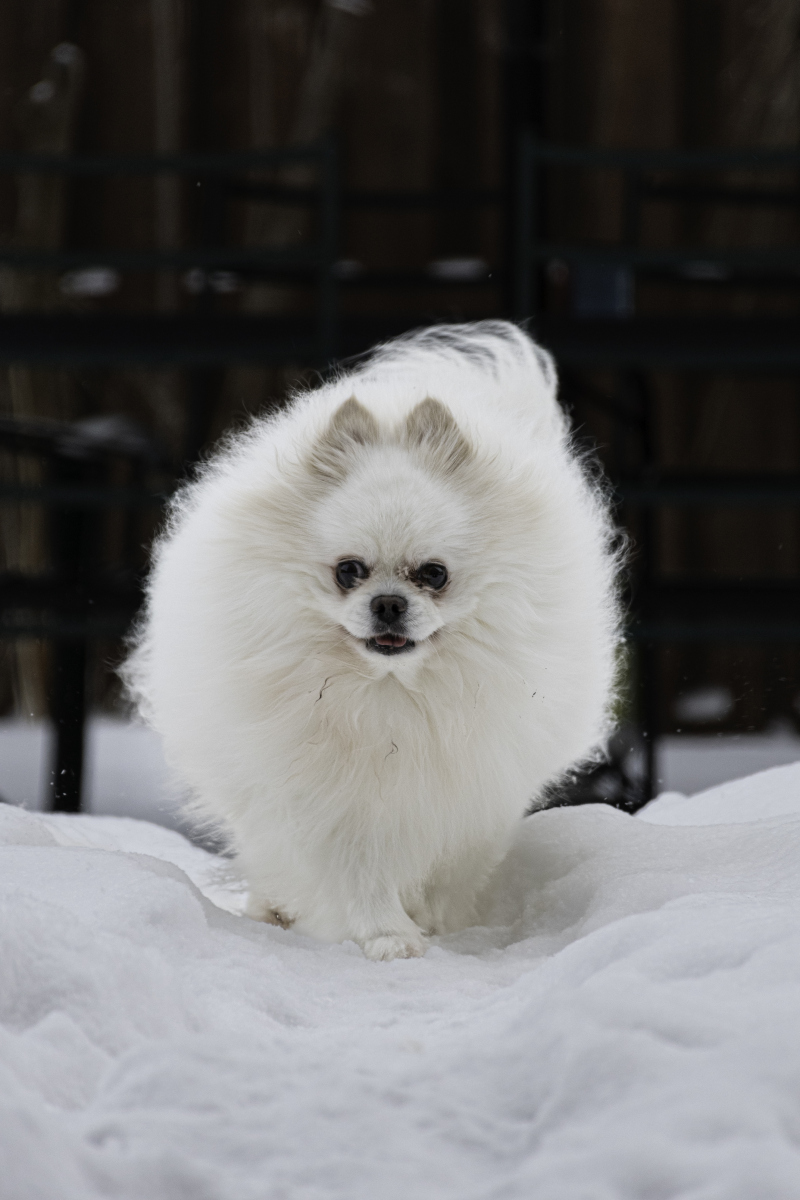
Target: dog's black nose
<point>388,608</point>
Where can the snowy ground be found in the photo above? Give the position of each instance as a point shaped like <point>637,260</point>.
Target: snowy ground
<point>126,775</point>
<point>622,1024</point>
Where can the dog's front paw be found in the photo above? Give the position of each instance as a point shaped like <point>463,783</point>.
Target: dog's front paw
<point>394,945</point>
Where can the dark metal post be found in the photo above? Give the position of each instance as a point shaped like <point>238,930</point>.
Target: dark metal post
<point>647,569</point>
<point>68,711</point>
<point>526,54</point>
<point>329,246</point>
<point>525,219</point>
<point>632,208</point>
<point>205,382</point>
<point>73,538</point>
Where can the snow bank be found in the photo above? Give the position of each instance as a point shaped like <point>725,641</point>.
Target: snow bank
<point>773,793</point>
<point>624,1024</point>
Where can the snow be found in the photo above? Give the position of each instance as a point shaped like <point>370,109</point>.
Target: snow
<point>622,1024</point>
<point>24,750</point>
<point>732,803</point>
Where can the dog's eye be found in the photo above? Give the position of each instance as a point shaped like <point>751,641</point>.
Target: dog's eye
<point>349,572</point>
<point>433,575</point>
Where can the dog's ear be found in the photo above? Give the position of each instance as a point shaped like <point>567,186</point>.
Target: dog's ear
<point>351,425</point>
<point>431,427</point>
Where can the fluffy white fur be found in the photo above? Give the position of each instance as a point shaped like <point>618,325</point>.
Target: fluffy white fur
<point>369,796</point>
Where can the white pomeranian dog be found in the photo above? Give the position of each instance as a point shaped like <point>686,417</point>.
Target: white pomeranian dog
<point>377,624</point>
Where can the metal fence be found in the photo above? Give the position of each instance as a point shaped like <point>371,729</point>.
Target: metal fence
<point>75,600</point>
<point>603,329</point>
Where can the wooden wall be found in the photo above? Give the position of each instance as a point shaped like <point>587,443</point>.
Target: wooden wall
<point>695,73</point>
<point>421,94</point>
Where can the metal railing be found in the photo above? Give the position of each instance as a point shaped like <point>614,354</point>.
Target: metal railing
<point>648,176</point>
<point>74,604</point>
<point>76,600</point>
<point>634,344</point>
<point>186,337</point>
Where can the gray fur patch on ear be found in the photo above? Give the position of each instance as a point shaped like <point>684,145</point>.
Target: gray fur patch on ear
<point>431,426</point>
<point>351,425</point>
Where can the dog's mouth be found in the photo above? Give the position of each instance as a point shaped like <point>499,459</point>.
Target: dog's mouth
<point>389,643</point>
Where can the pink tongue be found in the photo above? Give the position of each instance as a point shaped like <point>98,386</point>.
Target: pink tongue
<point>389,639</point>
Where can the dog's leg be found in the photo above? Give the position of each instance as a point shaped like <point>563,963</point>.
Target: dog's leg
<point>450,896</point>
<point>382,927</point>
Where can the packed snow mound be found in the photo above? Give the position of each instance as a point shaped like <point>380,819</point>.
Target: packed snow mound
<point>773,793</point>
<point>622,1024</point>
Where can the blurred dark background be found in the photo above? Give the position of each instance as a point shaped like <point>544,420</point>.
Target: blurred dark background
<point>204,203</point>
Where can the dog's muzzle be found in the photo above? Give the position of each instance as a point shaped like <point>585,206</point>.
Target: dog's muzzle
<point>388,621</point>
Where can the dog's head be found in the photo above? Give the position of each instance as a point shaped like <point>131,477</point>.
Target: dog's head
<point>395,529</point>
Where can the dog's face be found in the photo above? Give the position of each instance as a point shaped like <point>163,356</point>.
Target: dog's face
<point>395,534</point>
